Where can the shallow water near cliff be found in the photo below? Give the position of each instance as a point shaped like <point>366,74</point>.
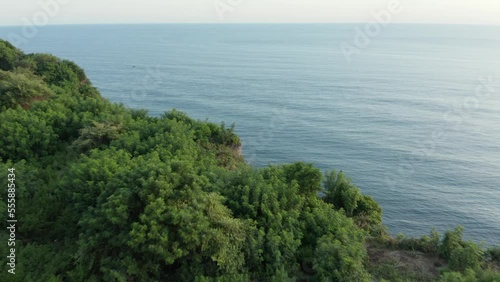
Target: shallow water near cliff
<point>413,118</point>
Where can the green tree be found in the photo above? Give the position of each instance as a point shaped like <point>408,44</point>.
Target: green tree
<point>25,135</point>
<point>306,176</point>
<point>9,55</point>
<point>335,261</point>
<point>180,231</point>
<point>343,194</point>
<point>21,89</point>
<point>100,134</point>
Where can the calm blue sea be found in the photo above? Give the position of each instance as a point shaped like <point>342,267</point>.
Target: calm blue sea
<point>413,118</point>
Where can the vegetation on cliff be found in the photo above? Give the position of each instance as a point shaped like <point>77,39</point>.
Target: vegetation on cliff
<point>107,193</point>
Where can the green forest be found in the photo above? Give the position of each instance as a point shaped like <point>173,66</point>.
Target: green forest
<point>108,193</point>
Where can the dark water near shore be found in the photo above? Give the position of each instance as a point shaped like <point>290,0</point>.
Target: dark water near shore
<point>413,118</point>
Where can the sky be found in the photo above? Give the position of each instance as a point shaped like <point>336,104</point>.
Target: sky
<point>22,12</point>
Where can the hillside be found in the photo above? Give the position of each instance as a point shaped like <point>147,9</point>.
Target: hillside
<point>102,192</point>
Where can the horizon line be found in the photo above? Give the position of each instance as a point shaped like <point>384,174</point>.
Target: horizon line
<point>255,23</point>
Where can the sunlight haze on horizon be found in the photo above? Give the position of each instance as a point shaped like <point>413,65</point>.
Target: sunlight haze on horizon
<point>486,12</point>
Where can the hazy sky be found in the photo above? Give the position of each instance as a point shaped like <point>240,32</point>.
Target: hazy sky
<point>12,12</point>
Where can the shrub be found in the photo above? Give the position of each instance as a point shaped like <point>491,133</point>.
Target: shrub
<point>343,194</point>
<point>451,241</point>
<point>9,55</point>
<point>468,256</point>
<point>493,253</point>
<point>452,276</point>
<point>337,262</point>
<point>21,88</point>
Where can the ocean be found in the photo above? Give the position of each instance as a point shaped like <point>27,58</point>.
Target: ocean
<point>410,112</point>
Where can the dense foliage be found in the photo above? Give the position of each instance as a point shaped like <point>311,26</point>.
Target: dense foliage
<point>107,193</point>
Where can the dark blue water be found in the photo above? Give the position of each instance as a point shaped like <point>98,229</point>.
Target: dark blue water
<point>413,117</point>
